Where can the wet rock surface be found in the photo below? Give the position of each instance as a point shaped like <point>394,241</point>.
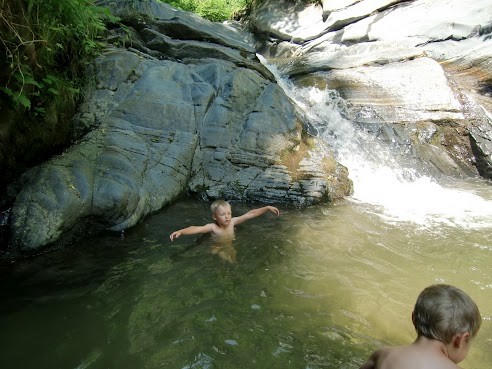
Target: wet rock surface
<point>185,107</point>
<point>396,63</point>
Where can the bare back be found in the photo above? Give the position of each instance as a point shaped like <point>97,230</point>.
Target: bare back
<point>413,356</point>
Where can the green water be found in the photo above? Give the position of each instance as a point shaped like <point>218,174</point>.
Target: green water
<point>314,288</point>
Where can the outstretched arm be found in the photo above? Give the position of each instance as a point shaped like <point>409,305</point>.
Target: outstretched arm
<point>192,230</point>
<point>255,213</point>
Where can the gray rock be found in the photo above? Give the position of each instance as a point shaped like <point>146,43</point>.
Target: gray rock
<point>176,115</point>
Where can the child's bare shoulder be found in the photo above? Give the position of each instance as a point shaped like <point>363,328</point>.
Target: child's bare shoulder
<point>407,357</point>
<point>375,359</point>
<point>384,353</point>
<point>212,227</point>
<point>384,358</point>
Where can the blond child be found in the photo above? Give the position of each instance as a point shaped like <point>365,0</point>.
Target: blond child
<point>224,224</point>
<point>446,319</point>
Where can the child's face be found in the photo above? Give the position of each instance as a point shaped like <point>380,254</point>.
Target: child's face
<point>223,215</point>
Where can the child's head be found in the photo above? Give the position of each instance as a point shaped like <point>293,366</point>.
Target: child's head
<point>442,311</point>
<point>219,203</point>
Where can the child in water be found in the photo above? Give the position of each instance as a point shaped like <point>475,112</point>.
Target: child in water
<point>223,228</point>
<point>446,320</point>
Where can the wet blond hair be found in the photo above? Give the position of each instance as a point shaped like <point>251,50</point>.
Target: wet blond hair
<point>442,311</point>
<point>218,203</point>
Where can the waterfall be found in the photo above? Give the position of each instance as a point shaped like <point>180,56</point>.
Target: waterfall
<point>384,184</point>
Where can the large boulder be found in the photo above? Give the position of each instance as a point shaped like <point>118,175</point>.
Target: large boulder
<point>187,107</point>
<point>414,73</point>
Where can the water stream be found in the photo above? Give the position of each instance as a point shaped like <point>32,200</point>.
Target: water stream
<point>314,288</point>
<point>395,185</point>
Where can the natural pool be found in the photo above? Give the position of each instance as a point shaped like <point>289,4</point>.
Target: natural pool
<point>314,288</point>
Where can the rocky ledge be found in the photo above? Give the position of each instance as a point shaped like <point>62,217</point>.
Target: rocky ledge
<point>178,105</point>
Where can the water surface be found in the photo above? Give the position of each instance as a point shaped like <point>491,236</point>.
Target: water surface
<point>314,288</point>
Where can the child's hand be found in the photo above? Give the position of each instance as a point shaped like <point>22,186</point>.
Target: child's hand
<point>174,235</point>
<point>274,210</point>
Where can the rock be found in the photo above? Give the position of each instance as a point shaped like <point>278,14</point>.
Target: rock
<point>181,104</point>
<point>399,66</point>
<point>178,24</point>
<point>410,91</point>
<point>172,116</point>
<point>294,22</point>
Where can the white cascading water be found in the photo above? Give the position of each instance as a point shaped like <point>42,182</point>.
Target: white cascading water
<point>388,188</point>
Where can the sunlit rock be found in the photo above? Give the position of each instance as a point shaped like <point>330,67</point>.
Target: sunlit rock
<point>408,91</point>
<point>397,63</point>
<point>284,20</point>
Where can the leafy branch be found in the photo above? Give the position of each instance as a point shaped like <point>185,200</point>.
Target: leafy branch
<point>43,47</point>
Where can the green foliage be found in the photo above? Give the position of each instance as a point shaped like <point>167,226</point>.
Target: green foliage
<point>214,10</point>
<point>43,47</point>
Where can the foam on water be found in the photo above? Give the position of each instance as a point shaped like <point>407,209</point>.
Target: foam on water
<point>422,201</point>
<point>388,188</point>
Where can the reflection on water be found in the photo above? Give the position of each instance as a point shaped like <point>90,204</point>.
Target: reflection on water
<point>313,288</point>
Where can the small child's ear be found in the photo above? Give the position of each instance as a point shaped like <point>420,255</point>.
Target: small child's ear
<point>461,339</point>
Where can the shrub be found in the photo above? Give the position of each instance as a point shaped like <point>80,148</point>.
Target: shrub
<point>214,10</point>
<point>43,45</point>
